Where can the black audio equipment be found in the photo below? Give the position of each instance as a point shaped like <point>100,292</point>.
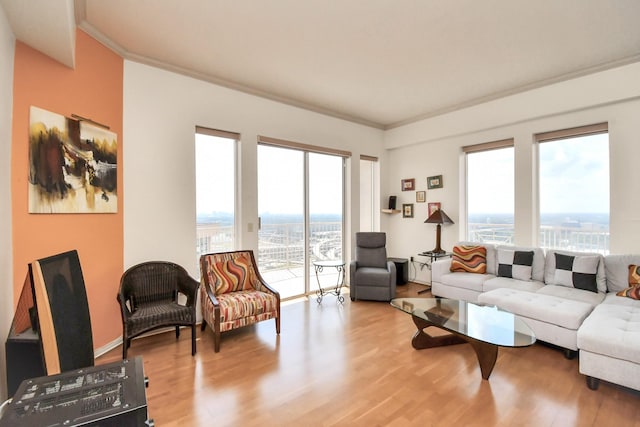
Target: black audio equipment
<point>111,395</point>
<point>51,328</point>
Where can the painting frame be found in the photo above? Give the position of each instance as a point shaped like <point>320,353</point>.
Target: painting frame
<point>434,182</point>
<point>73,165</point>
<point>432,207</point>
<point>407,210</point>
<point>408,184</point>
<point>421,196</point>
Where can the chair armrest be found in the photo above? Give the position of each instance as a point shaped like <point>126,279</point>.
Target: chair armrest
<point>439,268</point>
<point>391,266</point>
<point>353,266</point>
<point>188,286</point>
<point>265,287</point>
<point>124,308</point>
<point>210,294</point>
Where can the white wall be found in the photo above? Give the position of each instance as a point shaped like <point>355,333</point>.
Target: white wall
<point>161,110</point>
<point>7,47</point>
<point>432,147</point>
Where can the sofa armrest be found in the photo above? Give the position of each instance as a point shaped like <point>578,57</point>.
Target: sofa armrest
<point>439,268</point>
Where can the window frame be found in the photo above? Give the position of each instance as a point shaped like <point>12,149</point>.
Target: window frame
<point>235,138</point>
<point>559,135</point>
<point>479,148</point>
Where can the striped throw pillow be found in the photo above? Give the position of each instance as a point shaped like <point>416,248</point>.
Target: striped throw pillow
<point>472,259</point>
<point>233,275</point>
<point>633,291</point>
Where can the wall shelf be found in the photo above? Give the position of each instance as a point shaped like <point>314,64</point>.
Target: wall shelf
<point>390,211</point>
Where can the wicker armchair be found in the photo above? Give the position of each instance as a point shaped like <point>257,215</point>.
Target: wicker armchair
<point>233,294</point>
<point>148,300</point>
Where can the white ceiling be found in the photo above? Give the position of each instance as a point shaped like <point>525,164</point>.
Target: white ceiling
<point>378,62</point>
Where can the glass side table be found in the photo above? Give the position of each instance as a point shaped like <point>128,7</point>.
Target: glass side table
<point>339,266</point>
<point>432,256</point>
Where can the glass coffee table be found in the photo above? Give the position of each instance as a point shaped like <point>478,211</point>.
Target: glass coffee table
<point>484,327</point>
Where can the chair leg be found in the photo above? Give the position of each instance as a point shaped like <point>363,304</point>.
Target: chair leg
<point>193,339</point>
<point>125,346</point>
<point>216,341</point>
<point>177,332</point>
<point>278,325</point>
<point>203,325</point>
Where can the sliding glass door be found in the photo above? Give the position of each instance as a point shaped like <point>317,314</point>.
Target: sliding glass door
<point>300,204</point>
<point>325,216</point>
<point>281,203</point>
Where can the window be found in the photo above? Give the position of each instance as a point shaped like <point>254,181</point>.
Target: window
<point>215,190</point>
<point>573,181</point>
<point>490,192</point>
<point>369,200</point>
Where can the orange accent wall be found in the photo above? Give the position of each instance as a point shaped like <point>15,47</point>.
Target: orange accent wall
<point>94,90</point>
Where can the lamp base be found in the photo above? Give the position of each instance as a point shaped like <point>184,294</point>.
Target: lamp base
<point>438,251</point>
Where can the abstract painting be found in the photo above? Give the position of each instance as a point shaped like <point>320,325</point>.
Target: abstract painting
<point>72,165</point>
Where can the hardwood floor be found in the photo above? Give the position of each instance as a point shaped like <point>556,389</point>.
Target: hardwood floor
<point>336,365</point>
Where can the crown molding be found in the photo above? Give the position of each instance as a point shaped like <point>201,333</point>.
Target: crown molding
<point>520,89</point>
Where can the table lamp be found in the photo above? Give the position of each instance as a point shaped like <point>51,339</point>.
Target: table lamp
<point>438,217</point>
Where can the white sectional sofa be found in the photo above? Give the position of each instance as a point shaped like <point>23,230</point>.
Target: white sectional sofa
<point>605,328</point>
<point>609,339</point>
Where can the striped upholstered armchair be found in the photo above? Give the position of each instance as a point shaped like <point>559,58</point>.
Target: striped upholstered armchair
<point>233,293</point>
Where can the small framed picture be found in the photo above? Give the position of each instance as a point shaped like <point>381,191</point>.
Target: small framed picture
<point>432,207</point>
<point>434,182</point>
<point>407,210</point>
<point>421,196</point>
<point>408,184</point>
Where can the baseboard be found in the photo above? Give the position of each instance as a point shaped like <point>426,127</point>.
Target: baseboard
<point>107,347</point>
<point>118,341</point>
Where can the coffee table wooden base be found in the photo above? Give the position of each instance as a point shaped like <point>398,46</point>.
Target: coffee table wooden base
<point>486,353</point>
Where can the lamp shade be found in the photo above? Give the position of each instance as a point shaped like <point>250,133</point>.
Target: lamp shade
<point>439,217</point>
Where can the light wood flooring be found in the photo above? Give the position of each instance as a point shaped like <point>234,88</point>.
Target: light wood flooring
<point>353,365</point>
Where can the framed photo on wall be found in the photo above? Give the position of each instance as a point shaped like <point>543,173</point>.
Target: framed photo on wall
<point>408,184</point>
<point>407,210</point>
<point>432,207</point>
<point>434,182</point>
<point>421,196</point>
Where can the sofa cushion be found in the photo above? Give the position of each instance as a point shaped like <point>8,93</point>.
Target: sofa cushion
<point>241,308</point>
<point>370,276</point>
<point>550,268</point>
<point>537,269</point>
<point>562,312</point>
<point>472,259</point>
<point>612,330</point>
<point>472,281</point>
<point>617,270</point>
<point>503,282</point>
<point>515,264</point>
<point>574,294</point>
